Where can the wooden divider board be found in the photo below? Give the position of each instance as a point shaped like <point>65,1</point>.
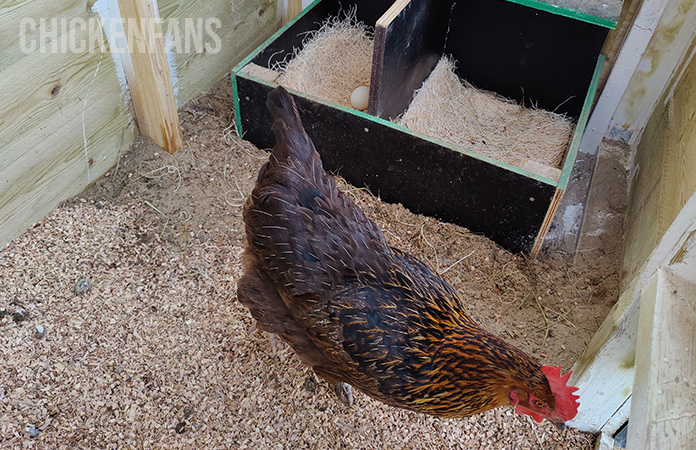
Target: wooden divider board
<point>409,41</point>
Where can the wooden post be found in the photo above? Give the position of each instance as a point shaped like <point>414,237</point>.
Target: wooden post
<point>148,75</point>
<point>626,64</point>
<point>662,410</point>
<point>294,8</point>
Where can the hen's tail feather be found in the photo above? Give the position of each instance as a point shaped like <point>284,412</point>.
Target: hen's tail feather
<point>291,139</point>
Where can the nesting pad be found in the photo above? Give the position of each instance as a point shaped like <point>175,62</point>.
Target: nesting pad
<point>334,60</point>
<point>484,122</point>
<point>337,58</point>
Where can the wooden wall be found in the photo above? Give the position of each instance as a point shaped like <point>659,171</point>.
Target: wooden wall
<point>66,116</point>
<point>664,169</point>
<point>245,24</point>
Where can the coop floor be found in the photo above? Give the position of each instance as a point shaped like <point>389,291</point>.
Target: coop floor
<point>159,354</point>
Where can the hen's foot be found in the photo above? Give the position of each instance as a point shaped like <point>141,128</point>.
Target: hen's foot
<point>276,344</point>
<point>344,392</point>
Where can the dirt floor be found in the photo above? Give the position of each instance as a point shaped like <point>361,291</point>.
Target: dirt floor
<point>159,354</point>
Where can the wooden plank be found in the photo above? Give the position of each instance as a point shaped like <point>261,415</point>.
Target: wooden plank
<point>56,168</point>
<point>669,49</point>
<point>20,20</point>
<point>615,39</point>
<point>667,163</point>
<point>148,75</point>
<point>294,8</point>
<point>597,12</point>
<point>626,64</point>
<point>230,31</point>
<point>39,87</point>
<point>604,442</point>
<point>618,420</point>
<point>605,9</point>
<point>640,236</point>
<point>409,41</point>
<point>546,224</point>
<point>604,372</point>
<point>580,125</point>
<point>662,410</point>
<point>679,159</point>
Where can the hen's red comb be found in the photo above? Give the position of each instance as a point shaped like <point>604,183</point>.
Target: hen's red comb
<point>566,402</point>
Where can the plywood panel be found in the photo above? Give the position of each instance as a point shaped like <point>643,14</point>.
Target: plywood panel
<point>409,40</point>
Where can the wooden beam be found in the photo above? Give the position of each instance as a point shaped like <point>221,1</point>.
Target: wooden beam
<point>148,76</point>
<point>615,39</point>
<point>662,410</point>
<point>637,40</point>
<point>660,66</point>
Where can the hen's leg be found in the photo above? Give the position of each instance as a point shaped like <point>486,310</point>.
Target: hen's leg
<point>344,391</point>
<point>276,344</point>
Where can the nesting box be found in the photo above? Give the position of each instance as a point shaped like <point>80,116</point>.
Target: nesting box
<point>525,50</point>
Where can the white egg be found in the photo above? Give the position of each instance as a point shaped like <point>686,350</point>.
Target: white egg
<point>359,98</point>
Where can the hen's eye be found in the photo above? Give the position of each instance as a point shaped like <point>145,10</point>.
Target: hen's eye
<point>538,403</point>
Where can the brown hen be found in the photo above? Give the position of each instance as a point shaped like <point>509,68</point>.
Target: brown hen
<point>320,274</point>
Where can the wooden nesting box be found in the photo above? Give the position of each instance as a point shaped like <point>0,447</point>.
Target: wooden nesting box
<point>526,50</point>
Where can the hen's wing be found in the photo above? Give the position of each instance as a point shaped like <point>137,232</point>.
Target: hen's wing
<point>308,237</point>
<point>305,243</point>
